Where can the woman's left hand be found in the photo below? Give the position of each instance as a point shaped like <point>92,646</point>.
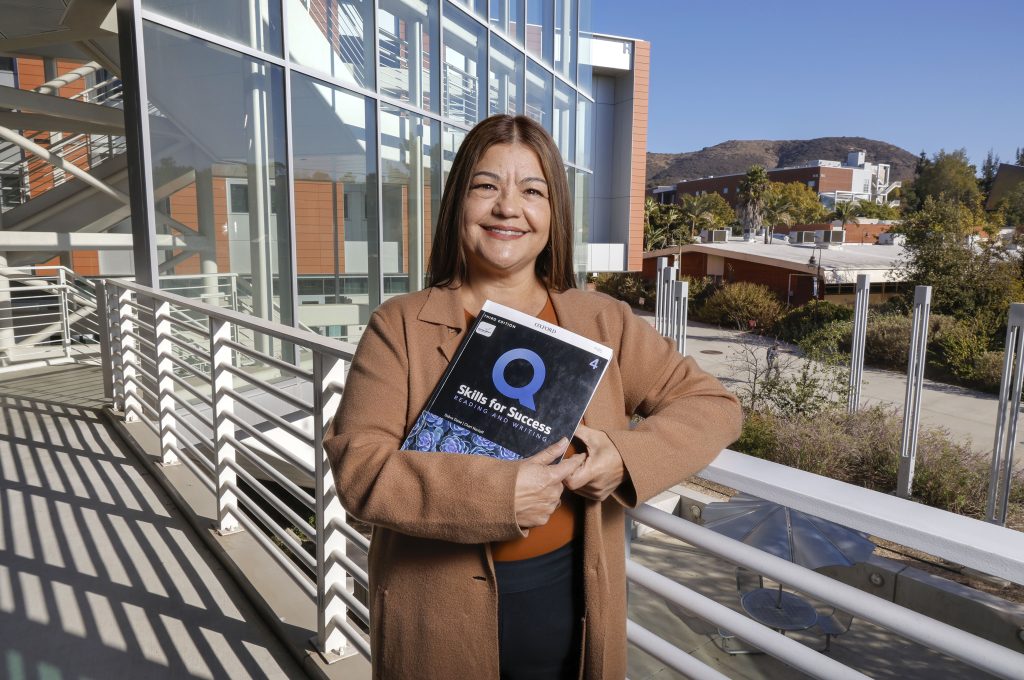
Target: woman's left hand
<point>602,472</point>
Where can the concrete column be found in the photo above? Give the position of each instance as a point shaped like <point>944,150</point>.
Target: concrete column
<point>208,230</point>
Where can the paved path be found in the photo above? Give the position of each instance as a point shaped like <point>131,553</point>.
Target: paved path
<point>967,414</point>
<point>98,577</point>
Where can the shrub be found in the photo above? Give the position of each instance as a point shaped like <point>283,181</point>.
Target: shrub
<point>744,305</point>
<point>987,371</point>
<point>958,347</point>
<point>829,342</point>
<point>802,321</point>
<point>887,343</point>
<point>863,449</point>
<point>627,286</point>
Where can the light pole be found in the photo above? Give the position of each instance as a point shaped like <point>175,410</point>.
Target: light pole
<point>816,261</point>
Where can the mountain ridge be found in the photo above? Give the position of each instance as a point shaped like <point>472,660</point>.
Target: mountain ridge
<point>736,156</point>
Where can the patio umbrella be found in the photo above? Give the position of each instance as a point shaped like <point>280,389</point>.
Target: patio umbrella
<point>807,540</point>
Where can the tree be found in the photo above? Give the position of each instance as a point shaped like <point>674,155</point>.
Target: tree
<point>656,232</point>
<point>1020,156</point>
<point>970,280</point>
<point>707,211</point>
<point>753,195</point>
<point>847,212</point>
<point>945,174</point>
<point>878,211</point>
<point>792,203</point>
<point>988,173</point>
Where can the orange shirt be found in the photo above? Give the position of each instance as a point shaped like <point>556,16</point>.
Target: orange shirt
<point>564,522</point>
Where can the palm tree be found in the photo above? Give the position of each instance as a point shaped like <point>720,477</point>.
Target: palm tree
<point>656,232</point>
<point>778,209</point>
<point>697,213</point>
<point>847,212</point>
<point>754,190</point>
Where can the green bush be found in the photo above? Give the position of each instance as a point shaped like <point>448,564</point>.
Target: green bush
<point>887,342</point>
<point>627,286</point>
<point>816,314</point>
<point>958,347</point>
<point>829,342</point>
<point>987,371</point>
<point>744,306</point>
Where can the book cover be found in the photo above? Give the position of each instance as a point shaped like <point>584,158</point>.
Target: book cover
<point>516,385</point>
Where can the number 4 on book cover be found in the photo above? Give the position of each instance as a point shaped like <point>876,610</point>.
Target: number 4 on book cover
<point>516,385</point>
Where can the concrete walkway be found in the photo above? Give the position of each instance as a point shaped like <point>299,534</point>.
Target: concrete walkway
<point>99,578</point>
<point>969,415</point>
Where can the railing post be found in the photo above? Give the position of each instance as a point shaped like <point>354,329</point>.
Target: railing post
<point>331,577</point>
<point>223,404</point>
<point>664,275</point>
<point>1006,421</point>
<point>860,332</point>
<point>131,405</point>
<point>681,301</point>
<point>659,264</point>
<point>165,383</point>
<point>65,325</point>
<point>915,381</point>
<point>104,331</point>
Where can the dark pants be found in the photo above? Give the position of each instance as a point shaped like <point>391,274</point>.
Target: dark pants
<point>540,616</point>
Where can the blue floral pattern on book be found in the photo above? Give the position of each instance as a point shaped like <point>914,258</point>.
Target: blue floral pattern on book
<point>433,433</point>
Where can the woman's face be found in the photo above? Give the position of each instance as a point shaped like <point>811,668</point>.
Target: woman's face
<point>507,214</point>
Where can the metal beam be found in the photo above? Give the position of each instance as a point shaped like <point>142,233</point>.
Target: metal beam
<point>12,241</point>
<point>42,121</point>
<point>26,100</point>
<point>47,38</point>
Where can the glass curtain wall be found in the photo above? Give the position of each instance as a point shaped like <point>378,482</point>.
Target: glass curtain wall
<point>220,173</point>
<point>300,155</point>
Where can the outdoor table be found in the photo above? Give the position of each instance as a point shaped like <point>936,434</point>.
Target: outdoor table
<point>779,609</point>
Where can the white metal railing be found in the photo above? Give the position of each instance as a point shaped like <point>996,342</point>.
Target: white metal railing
<point>174,366</point>
<point>46,313</point>
<point>249,415</point>
<point>461,95</point>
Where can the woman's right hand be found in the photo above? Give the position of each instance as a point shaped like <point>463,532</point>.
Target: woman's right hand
<point>539,484</point>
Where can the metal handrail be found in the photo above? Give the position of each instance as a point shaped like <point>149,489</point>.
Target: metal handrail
<point>978,652</point>
<point>122,301</point>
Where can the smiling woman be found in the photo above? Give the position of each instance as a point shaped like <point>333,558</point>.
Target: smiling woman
<point>488,568</point>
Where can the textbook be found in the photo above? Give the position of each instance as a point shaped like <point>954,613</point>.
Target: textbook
<point>516,385</point>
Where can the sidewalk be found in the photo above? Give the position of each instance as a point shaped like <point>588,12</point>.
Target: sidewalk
<point>967,414</point>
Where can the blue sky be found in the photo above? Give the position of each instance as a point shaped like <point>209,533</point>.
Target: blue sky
<point>918,74</point>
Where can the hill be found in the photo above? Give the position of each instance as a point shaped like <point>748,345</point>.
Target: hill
<point>737,156</point>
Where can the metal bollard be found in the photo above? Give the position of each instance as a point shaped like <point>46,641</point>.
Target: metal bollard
<point>1006,422</point>
<point>659,295</point>
<point>860,331</point>
<point>915,381</point>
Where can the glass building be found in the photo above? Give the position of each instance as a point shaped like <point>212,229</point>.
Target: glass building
<point>287,157</point>
<point>301,147</point>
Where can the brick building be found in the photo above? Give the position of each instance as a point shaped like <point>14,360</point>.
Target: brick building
<point>787,269</point>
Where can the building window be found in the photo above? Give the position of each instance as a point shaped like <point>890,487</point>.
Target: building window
<point>409,52</point>
<point>334,36</point>
<point>725,190</point>
<point>507,66</point>
<point>538,94</point>
<point>565,120</point>
<point>509,17</point>
<point>811,183</point>
<point>465,63</point>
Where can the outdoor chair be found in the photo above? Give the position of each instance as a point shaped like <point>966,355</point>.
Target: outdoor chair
<point>833,622</point>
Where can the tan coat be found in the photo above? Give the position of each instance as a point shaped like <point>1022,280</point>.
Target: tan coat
<point>433,596</point>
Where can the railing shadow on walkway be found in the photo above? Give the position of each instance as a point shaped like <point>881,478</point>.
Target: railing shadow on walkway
<point>98,577</point>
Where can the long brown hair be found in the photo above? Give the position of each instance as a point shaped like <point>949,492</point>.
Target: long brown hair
<point>447,255</point>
